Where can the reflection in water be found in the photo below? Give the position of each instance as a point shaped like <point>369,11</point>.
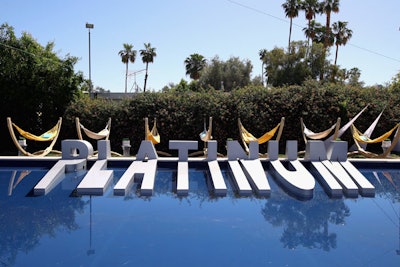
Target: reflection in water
<point>306,223</point>
<point>24,219</point>
<point>13,182</point>
<point>387,185</point>
<point>200,188</point>
<point>197,221</point>
<point>91,250</point>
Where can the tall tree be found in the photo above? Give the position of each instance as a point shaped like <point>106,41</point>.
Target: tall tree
<point>353,77</point>
<point>263,57</point>
<point>291,8</point>
<point>394,85</point>
<point>312,31</point>
<point>290,68</point>
<point>194,64</point>
<point>311,8</point>
<point>127,55</point>
<point>226,75</point>
<point>148,54</point>
<point>36,84</point>
<point>327,7</point>
<point>317,33</point>
<point>342,35</point>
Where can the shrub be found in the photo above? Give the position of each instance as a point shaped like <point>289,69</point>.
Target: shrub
<point>181,115</point>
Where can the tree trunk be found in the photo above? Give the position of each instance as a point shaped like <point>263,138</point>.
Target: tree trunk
<point>290,33</point>
<point>308,40</point>
<point>126,78</point>
<point>262,72</point>
<point>326,42</point>
<point>336,53</point>
<point>145,78</point>
<point>327,30</point>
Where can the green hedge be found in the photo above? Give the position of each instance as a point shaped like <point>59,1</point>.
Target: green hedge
<point>180,116</point>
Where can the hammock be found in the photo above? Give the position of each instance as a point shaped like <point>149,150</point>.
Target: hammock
<point>205,135</point>
<point>365,139</point>
<point>50,135</point>
<point>103,134</point>
<point>362,139</point>
<point>337,133</point>
<point>343,129</point>
<point>320,135</point>
<point>367,133</point>
<point>152,135</point>
<point>247,137</point>
<point>47,136</point>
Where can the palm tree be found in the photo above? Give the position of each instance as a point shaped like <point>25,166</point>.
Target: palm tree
<point>312,30</point>
<point>317,33</point>
<point>263,57</point>
<point>127,55</point>
<point>311,8</point>
<point>291,8</point>
<point>342,35</point>
<point>327,7</point>
<point>148,55</point>
<point>194,64</point>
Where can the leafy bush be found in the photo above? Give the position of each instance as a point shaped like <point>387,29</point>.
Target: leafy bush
<point>181,115</point>
<point>36,85</point>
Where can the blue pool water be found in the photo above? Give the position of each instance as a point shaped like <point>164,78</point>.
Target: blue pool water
<point>62,229</point>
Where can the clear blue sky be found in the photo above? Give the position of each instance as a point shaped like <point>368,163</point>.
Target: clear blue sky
<point>178,28</point>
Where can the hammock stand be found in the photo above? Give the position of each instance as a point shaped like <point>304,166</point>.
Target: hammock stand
<point>153,135</point>
<point>50,135</point>
<point>205,136</point>
<point>102,134</point>
<point>247,137</point>
<point>360,138</point>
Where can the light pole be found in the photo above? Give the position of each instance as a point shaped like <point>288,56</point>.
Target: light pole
<point>90,26</point>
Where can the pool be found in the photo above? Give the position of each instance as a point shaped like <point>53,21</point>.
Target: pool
<point>200,229</point>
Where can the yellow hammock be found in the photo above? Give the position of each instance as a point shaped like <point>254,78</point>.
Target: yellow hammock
<point>248,137</point>
<point>360,137</point>
<point>47,136</point>
<point>50,135</point>
<point>152,135</point>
